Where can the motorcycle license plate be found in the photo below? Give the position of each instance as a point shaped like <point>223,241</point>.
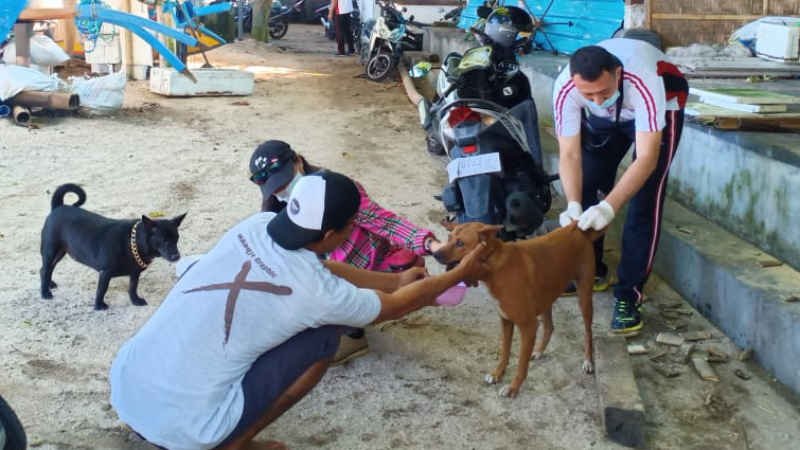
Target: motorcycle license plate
<point>474,165</point>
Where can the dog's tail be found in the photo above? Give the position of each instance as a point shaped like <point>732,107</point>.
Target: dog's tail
<point>61,191</point>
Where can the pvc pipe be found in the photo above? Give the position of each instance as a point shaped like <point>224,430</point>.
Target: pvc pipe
<point>22,115</point>
<point>4,110</point>
<point>48,100</point>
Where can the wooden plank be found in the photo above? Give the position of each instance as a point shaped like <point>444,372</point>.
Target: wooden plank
<point>716,17</point>
<point>744,107</point>
<point>702,111</point>
<point>746,95</point>
<point>30,15</point>
<point>621,405</point>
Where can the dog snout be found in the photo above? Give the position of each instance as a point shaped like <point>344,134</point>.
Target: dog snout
<point>173,256</point>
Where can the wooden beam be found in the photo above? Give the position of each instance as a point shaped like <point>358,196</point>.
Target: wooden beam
<point>766,7</point>
<point>30,15</point>
<point>648,19</point>
<point>715,17</point>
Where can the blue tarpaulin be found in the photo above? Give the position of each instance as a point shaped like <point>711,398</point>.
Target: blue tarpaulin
<point>570,24</point>
<point>9,11</point>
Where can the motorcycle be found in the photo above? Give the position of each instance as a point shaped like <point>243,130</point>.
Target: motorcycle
<point>389,38</point>
<point>488,72</point>
<point>278,17</point>
<point>12,435</point>
<point>485,121</point>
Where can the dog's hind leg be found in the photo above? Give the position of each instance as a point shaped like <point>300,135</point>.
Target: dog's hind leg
<point>547,321</point>
<point>585,303</point>
<point>527,337</point>
<point>50,257</point>
<point>134,284</point>
<point>102,287</point>
<point>505,351</point>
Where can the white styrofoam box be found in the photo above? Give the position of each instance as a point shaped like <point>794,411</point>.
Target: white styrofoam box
<point>171,83</point>
<point>778,42</point>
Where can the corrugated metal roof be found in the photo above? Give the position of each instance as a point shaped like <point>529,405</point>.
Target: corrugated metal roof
<point>570,24</point>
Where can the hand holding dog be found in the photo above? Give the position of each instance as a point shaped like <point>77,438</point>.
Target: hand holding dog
<point>411,275</point>
<point>597,217</point>
<point>573,212</point>
<point>473,266</point>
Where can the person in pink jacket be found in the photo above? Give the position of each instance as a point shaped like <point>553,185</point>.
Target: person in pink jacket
<point>381,240</point>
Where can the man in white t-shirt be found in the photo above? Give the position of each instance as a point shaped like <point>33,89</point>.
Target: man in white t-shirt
<point>251,328</point>
<point>619,92</point>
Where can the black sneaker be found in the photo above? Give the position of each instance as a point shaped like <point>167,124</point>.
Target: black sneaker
<point>626,318</point>
<point>601,283</point>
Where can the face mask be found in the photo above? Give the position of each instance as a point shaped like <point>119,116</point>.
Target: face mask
<point>287,191</point>
<point>610,101</point>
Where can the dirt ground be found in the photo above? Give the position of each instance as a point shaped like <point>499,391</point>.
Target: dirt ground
<point>420,387</point>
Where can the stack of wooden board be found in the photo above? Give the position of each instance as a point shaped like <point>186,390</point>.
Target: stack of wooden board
<point>744,108</point>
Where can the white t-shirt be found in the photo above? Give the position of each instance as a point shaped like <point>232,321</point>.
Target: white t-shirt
<point>345,6</point>
<point>644,98</point>
<point>177,381</point>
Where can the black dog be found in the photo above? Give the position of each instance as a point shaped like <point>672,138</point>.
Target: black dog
<point>113,247</point>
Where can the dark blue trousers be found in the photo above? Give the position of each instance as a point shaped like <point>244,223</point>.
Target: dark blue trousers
<point>604,143</point>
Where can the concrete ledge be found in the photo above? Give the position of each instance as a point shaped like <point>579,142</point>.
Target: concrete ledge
<point>621,406</point>
<point>723,277</point>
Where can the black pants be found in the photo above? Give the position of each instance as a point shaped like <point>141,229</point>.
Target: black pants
<point>343,33</point>
<point>604,143</point>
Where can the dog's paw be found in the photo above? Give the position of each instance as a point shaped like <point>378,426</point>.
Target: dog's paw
<point>508,391</point>
<point>588,367</point>
<point>138,301</point>
<point>491,379</point>
<point>47,295</point>
<point>536,355</point>
<point>100,306</point>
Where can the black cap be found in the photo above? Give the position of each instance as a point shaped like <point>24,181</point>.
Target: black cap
<point>318,203</point>
<point>278,154</point>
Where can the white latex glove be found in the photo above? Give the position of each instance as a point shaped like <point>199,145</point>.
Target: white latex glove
<point>573,212</point>
<point>597,217</point>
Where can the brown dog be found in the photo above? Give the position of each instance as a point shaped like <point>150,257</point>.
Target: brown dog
<point>526,278</point>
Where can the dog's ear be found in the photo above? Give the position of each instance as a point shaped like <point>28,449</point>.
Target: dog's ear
<point>147,221</point>
<point>177,220</point>
<point>448,223</point>
<point>488,231</point>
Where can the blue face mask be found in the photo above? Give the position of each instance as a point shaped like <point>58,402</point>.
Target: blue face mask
<point>610,101</point>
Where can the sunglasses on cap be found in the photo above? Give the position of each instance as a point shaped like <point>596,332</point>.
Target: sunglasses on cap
<point>274,165</point>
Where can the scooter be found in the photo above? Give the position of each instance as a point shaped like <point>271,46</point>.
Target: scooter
<point>278,17</point>
<point>495,170</point>
<point>389,38</point>
<point>488,72</point>
<point>12,435</point>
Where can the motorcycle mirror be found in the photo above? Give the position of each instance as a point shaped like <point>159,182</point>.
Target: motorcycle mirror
<point>484,11</point>
<point>420,69</point>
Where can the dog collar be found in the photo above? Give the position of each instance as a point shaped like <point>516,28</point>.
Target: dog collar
<point>135,248</point>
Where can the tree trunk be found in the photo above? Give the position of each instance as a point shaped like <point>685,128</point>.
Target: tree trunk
<point>261,10</point>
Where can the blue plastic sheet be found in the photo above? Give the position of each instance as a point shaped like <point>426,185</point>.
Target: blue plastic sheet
<point>9,11</point>
<point>570,24</point>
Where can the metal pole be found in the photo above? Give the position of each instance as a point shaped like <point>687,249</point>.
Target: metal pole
<point>240,20</point>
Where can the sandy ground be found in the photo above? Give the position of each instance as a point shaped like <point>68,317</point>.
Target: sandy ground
<point>420,387</point>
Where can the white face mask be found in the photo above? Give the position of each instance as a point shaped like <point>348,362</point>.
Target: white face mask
<point>287,191</point>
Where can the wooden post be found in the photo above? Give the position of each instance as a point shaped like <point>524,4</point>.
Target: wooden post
<point>648,19</point>
<point>70,31</point>
<point>765,11</point>
<point>22,37</point>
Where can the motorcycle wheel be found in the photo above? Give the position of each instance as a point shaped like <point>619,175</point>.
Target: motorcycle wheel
<point>379,66</point>
<point>278,29</point>
<point>10,426</point>
<point>434,146</point>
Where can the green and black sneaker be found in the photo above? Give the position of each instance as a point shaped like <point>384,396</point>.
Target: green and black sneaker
<point>626,318</point>
<point>601,283</point>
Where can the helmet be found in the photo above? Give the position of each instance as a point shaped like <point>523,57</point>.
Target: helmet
<point>504,23</point>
